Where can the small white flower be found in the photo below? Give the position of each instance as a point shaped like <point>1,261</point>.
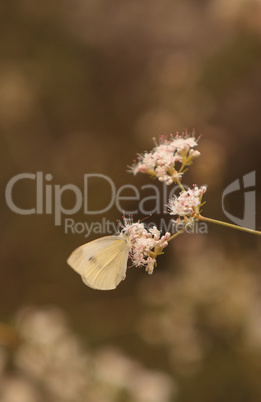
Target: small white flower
<point>187,203</point>
<point>161,161</point>
<point>145,244</point>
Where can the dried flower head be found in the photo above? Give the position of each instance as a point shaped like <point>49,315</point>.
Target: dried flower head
<point>162,161</point>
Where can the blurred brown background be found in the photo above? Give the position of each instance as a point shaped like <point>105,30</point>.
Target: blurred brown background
<point>84,86</point>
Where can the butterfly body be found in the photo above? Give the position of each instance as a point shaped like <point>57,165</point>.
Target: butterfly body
<point>102,263</point>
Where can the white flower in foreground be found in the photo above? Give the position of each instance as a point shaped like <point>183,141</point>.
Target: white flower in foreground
<point>187,203</point>
<point>145,244</point>
<point>161,161</point>
<point>50,363</point>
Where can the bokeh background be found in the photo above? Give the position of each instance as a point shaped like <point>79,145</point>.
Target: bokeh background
<point>84,86</point>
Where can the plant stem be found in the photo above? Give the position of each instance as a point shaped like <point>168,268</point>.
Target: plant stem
<point>179,183</point>
<point>229,225</point>
<point>176,234</point>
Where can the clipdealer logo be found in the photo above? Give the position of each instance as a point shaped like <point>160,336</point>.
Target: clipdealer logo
<point>49,197</point>
<point>249,196</point>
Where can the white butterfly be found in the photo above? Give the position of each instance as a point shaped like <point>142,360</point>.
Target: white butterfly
<point>102,263</point>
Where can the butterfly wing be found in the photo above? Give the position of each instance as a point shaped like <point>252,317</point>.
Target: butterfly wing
<point>102,263</point>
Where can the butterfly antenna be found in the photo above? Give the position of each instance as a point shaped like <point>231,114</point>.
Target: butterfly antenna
<point>146,217</point>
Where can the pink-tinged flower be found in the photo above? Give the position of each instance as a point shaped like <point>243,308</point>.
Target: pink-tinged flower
<point>145,244</point>
<point>161,161</point>
<point>188,203</point>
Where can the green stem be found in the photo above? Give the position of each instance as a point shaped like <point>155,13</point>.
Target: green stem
<point>176,234</point>
<point>182,167</point>
<point>229,225</point>
<point>179,183</point>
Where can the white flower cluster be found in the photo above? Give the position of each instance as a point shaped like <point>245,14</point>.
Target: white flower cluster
<point>160,162</point>
<point>145,244</point>
<point>187,203</point>
<point>51,364</point>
